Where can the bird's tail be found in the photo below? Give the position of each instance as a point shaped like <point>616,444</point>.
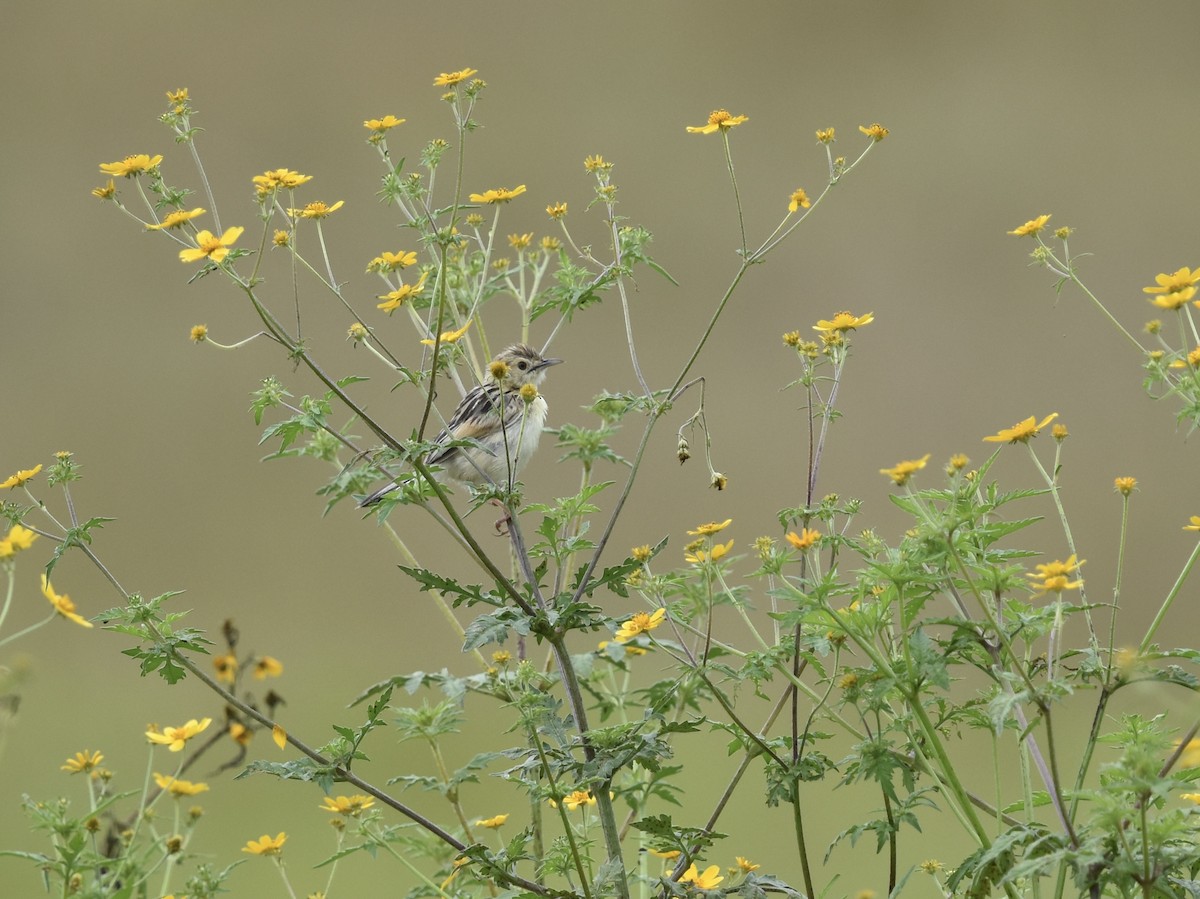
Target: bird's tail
<point>372,499</point>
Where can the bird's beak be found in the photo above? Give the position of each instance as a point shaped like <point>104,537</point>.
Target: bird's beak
<point>546,363</point>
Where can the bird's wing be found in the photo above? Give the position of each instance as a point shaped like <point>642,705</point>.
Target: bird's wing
<point>474,419</point>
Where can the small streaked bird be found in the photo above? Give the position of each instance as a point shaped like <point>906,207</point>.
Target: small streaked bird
<point>497,417</point>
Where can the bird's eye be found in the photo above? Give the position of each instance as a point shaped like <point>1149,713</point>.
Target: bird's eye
<point>522,365</point>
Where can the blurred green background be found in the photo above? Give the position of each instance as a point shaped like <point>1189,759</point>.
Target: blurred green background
<point>997,113</point>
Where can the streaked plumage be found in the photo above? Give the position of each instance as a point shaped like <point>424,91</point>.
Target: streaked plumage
<point>478,418</point>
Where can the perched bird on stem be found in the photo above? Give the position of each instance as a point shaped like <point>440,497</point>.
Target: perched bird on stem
<point>504,417</point>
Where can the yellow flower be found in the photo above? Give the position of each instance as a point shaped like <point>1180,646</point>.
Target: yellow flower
<point>381,125</point>
<point>1190,757</point>
<point>449,79</point>
<point>20,477</point>
<point>130,166</point>
<point>931,866</point>
<point>1176,299</point>
<point>199,333</point>
<point>825,135</point>
<point>175,738</point>
<point>699,556</point>
<point>1195,525</point>
<point>641,553</point>
<point>316,210</point>
<point>1055,576</point>
<point>449,336</point>
<point>707,530</point>
<point>17,539</point>
<point>529,392</point>
<point>351,806</point>
<point>357,331</point>
<point>640,623</point>
<point>267,666</point>
<point>550,244</point>
<point>705,881</point>
<point>596,163</point>
<point>1125,486</point>
<point>1060,433</point>
<point>62,604</point>
<point>1031,227</point>
<point>179,96</point>
<point>82,762</point>
<point>806,537</point>
<point>397,298</point>
<point>106,192</point>
<point>177,787</point>
<point>799,199</point>
<point>268,182</point>
<point>265,845</point>
<point>958,462</point>
<point>668,854</point>
<point>210,246</point>
<point>494,822</point>
<point>175,219</point>
<point>718,120</point>
<point>902,471</point>
<point>557,211</point>
<point>745,865</point>
<point>1174,283</point>
<point>1022,431</point>
<point>844,321</point>
<point>874,131</point>
<point>520,241</point>
<point>1191,797</point>
<point>226,667</point>
<point>240,734</point>
<point>390,262</point>
<point>498,195</point>
<point>578,799</point>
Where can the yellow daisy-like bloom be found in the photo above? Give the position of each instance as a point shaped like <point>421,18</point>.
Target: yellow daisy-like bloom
<point>1191,797</point>
<point>706,880</point>
<point>806,538</point>
<point>211,247</point>
<point>844,321</point>
<point>62,604</point>
<point>1022,431</point>
<point>281,238</point>
<point>17,539</point>
<point>264,845</point>
<point>551,244</point>
<point>718,120</point>
<point>397,298</point>
<point>175,219</point>
<point>316,210</point>
<point>177,787</point>
<point>798,200</point>
<point>267,666</point>
<point>520,241</point>
<point>390,262</point>
<point>179,96</point>
<point>745,865</point>
<point>449,79</point>
<point>641,553</point>
<point>199,333</point>
<point>713,527</point>
<point>494,823</point>
<point>20,477</point>
<point>668,854</point>
<point>529,392</point>
<point>825,135</point>
<point>1195,524</point>
<point>556,211</point>
<point>640,623</point>
<point>578,799</point>
<point>352,806</point>
<point>874,131</point>
<point>107,192</point>
<point>1055,576</point>
<point>357,331</point>
<point>498,195</point>
<point>131,166</point>
<point>1175,282</point>
<point>226,667</point>
<point>1175,299</point>
<point>175,738</point>
<point>595,163</point>
<point>449,336</point>
<point>901,472</point>
<point>1124,486</point>
<point>82,762</point>
<point>699,556</point>
<point>277,178</point>
<point>382,125</point>
<point>1031,227</point>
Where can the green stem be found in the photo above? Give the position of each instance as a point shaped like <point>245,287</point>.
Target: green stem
<point>1166,604</point>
